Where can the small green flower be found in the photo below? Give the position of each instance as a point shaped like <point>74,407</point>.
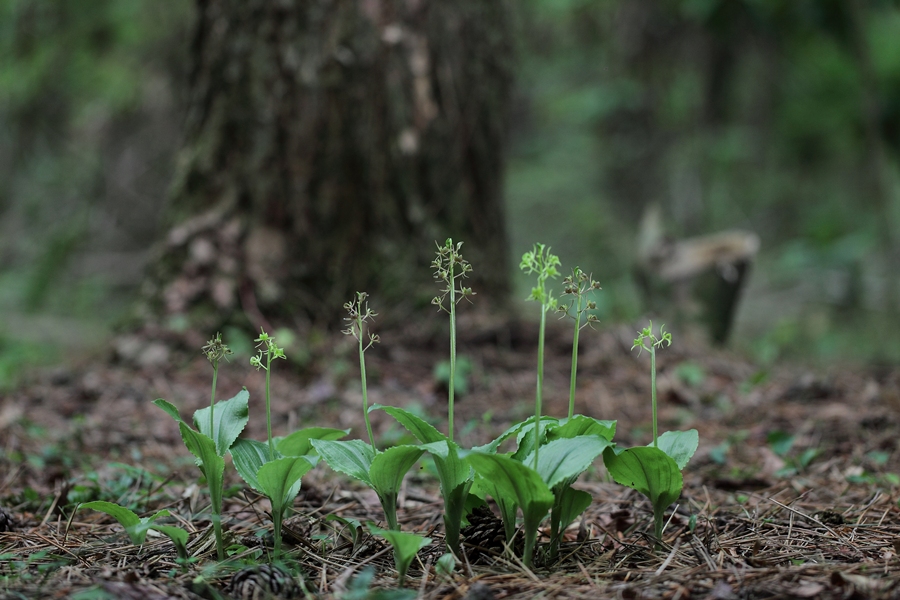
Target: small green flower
<point>646,335</point>
<point>542,262</point>
<point>267,347</point>
<point>450,266</point>
<point>215,350</point>
<point>359,313</point>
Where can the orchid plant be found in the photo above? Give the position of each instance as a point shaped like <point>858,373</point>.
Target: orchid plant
<point>534,478</point>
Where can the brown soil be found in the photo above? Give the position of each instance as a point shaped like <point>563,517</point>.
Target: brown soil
<point>819,520</point>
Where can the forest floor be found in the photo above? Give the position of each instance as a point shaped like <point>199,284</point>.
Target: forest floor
<point>793,491</point>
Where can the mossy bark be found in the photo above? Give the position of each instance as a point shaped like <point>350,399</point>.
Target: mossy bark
<point>328,145</point>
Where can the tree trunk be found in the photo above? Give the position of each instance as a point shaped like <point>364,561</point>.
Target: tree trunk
<point>329,144</point>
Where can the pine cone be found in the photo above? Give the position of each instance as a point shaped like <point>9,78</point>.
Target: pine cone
<point>296,530</point>
<point>7,522</point>
<point>484,535</point>
<point>263,582</point>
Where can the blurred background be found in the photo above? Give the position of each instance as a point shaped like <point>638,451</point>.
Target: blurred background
<point>781,119</point>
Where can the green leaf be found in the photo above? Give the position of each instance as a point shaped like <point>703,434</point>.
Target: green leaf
<point>170,408</point>
<point>406,545</point>
<point>445,565</point>
<point>570,503</point>
<point>209,460</point>
<point>456,478</point>
<point>680,445</point>
<point>299,443</point>
<point>178,536</point>
<point>514,429</point>
<point>515,482</point>
<point>481,489</point>
<point>423,431</point>
<point>568,457</point>
<point>280,480</point>
<point>582,425</point>
<point>200,445</point>
<point>351,457</point>
<point>229,419</point>
<point>390,466</point>
<point>452,470</point>
<point>248,457</point>
<point>204,449</point>
<point>211,464</point>
<point>354,525</point>
<point>650,471</point>
<point>525,439</point>
<point>135,526</point>
<point>386,474</point>
<point>780,442</point>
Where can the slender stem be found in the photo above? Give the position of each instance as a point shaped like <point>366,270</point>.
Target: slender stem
<point>212,400</point>
<point>653,390</point>
<point>530,539</point>
<point>217,529</point>
<point>574,358</point>
<point>365,394</point>
<point>452,381</point>
<point>540,387</point>
<point>216,506</point>
<point>554,526</point>
<point>276,531</point>
<point>389,504</point>
<point>269,407</point>
<point>659,520</point>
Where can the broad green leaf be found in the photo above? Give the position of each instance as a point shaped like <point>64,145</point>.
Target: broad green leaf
<point>352,457</point>
<point>680,445</point>
<point>211,464</point>
<point>178,536</point>
<point>170,408</point>
<point>299,443</point>
<point>568,457</point>
<point>406,545</point>
<point>525,439</point>
<point>452,470</point>
<point>437,449</point>
<point>481,489</point>
<point>582,425</point>
<point>493,446</point>
<point>650,471</point>
<point>209,460</point>
<point>135,526</point>
<point>571,503</point>
<point>515,482</point>
<point>390,466</point>
<point>248,457</point>
<point>280,480</point>
<point>201,446</point>
<point>229,419</point>
<point>456,478</point>
<point>204,449</point>
<point>386,474</point>
<point>423,431</point>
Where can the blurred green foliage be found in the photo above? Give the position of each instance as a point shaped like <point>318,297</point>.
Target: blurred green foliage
<point>84,88</point>
<point>778,117</point>
<point>782,118</point>
<point>89,96</point>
